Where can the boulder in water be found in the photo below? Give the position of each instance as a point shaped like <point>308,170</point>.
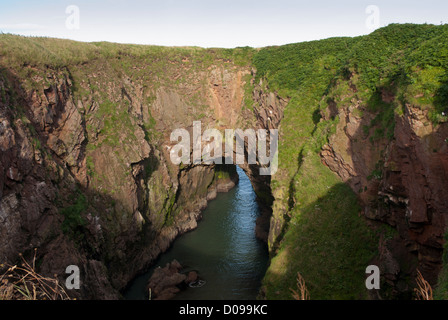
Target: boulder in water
<point>191,277</point>
<point>164,281</point>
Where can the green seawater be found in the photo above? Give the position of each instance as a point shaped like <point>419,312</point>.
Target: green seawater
<point>223,250</point>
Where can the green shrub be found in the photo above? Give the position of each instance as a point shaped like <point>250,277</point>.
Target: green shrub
<point>73,221</point>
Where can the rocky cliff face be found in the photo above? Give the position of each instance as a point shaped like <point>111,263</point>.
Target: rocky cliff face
<point>85,172</point>
<point>400,182</point>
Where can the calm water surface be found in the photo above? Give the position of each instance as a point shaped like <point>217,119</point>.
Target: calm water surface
<point>223,250</point>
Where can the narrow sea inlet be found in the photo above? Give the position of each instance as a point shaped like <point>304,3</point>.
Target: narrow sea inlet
<point>223,250</point>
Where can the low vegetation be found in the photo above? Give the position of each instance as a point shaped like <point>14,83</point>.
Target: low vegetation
<point>23,282</point>
<point>74,221</point>
<point>302,292</point>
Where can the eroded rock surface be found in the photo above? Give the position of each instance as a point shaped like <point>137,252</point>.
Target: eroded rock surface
<point>400,182</point>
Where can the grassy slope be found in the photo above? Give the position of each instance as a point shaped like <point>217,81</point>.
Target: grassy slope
<point>323,213</point>
<point>325,239</point>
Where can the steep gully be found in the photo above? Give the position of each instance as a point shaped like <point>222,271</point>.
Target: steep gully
<point>46,167</point>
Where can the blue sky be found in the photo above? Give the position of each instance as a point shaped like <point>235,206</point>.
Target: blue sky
<point>211,23</point>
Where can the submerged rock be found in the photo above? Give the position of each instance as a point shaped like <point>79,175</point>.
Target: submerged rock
<point>191,277</point>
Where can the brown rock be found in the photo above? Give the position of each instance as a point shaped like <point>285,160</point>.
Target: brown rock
<point>174,266</point>
<point>167,293</point>
<point>191,277</point>
<point>164,281</point>
<point>14,174</point>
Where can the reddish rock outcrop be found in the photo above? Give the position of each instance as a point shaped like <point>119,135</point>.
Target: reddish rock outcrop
<point>164,282</point>
<point>401,182</point>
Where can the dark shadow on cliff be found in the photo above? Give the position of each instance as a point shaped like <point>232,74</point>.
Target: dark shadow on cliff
<point>329,244</point>
<point>51,211</point>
